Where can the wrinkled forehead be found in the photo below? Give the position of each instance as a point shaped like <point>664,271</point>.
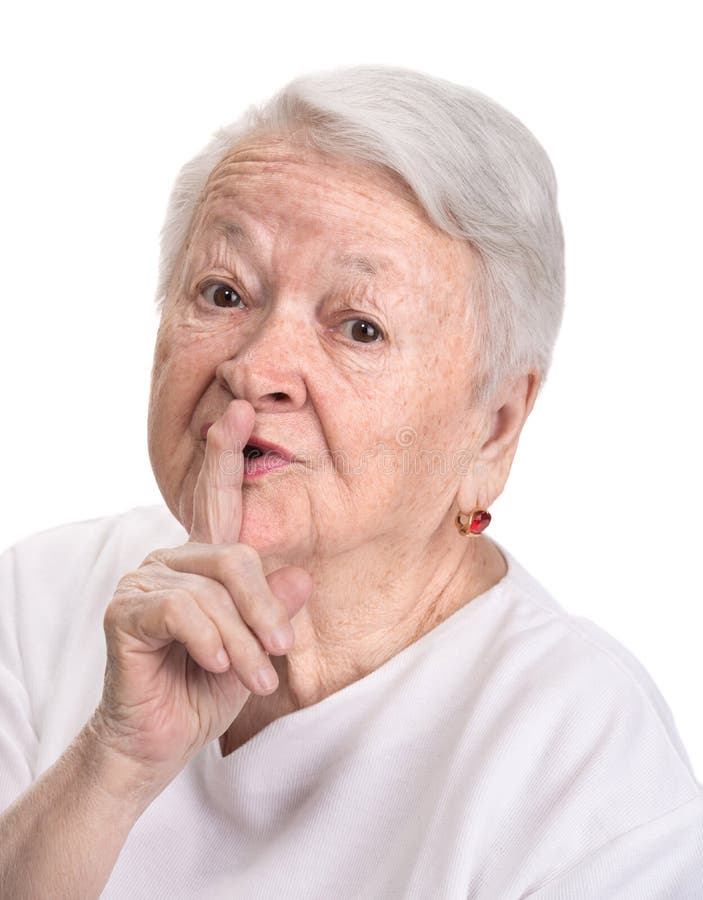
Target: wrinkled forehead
<point>281,205</point>
<point>288,182</point>
<point>285,156</point>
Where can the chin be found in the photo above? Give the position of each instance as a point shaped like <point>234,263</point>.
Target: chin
<point>277,536</point>
<point>265,536</point>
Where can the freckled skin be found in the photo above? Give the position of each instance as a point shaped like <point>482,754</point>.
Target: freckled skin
<point>377,535</point>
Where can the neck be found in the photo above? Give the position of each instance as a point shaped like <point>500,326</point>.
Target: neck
<point>364,610</point>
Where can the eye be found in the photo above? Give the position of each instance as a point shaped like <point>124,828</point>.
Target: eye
<point>221,295</point>
<point>361,331</point>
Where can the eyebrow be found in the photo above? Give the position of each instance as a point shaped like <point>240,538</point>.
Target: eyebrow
<point>232,232</point>
<point>355,263</point>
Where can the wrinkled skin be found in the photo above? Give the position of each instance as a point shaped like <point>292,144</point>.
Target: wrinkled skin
<point>365,510</point>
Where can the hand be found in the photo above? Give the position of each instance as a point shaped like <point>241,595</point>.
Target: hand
<point>167,692</point>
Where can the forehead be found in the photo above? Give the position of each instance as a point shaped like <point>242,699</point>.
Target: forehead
<point>276,190</point>
<point>274,164</point>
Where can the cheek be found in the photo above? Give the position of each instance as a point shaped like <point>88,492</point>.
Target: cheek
<point>183,370</point>
<point>353,419</point>
<point>180,377</point>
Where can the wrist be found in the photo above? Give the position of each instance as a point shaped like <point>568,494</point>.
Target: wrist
<point>121,779</point>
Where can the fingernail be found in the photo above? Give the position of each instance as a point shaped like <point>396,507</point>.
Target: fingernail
<point>222,659</point>
<point>281,638</point>
<point>267,678</point>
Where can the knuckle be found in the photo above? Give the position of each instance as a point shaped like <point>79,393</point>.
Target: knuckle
<point>206,637</point>
<point>156,556</point>
<point>264,620</point>
<point>114,611</point>
<point>233,565</point>
<point>221,600</point>
<point>109,617</point>
<point>245,557</point>
<point>175,602</point>
<point>129,582</point>
<point>172,620</point>
<point>219,562</point>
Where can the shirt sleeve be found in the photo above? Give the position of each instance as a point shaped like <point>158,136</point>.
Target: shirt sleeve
<point>18,738</point>
<point>659,860</point>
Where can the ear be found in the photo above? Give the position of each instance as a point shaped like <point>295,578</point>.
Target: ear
<point>503,421</point>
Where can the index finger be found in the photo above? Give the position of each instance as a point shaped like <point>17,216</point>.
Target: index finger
<point>217,498</point>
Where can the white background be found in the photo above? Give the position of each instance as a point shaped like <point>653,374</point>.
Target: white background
<point>102,105</point>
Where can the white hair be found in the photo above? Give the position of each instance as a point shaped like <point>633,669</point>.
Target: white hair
<point>477,171</point>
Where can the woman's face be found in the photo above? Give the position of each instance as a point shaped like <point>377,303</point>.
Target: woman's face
<point>318,291</point>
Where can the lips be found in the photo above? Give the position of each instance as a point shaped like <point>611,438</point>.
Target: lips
<point>266,447</point>
<point>256,446</point>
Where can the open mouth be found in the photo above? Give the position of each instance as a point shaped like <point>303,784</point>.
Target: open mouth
<point>259,461</point>
<point>251,451</point>
<point>259,454</point>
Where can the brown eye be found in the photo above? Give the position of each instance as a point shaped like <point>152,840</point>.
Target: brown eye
<point>362,331</point>
<point>222,295</point>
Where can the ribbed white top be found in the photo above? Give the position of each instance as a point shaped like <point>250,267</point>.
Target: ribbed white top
<point>513,751</point>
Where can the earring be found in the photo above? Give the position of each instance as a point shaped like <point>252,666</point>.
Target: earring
<point>472,523</point>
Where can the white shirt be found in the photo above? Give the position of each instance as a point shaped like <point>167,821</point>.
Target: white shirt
<point>513,751</point>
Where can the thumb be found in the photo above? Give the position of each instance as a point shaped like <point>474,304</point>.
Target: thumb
<point>217,498</point>
<point>292,585</point>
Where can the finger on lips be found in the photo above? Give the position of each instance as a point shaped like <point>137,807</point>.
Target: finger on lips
<point>217,500</point>
<point>257,621</point>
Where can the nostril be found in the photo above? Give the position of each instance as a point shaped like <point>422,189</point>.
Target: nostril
<point>279,395</point>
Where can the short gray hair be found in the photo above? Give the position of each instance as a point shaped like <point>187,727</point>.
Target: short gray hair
<point>477,171</point>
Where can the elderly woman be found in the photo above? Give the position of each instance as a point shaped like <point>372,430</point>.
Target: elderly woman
<point>311,673</point>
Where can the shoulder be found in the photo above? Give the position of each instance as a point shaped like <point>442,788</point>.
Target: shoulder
<point>69,553</point>
<point>578,719</point>
<point>566,725</point>
<point>579,667</point>
<point>613,676</point>
<point>73,549</point>
<point>55,585</point>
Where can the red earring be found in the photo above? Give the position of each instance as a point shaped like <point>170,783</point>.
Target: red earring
<point>472,523</point>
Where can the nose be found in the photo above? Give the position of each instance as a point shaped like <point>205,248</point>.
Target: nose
<point>265,370</point>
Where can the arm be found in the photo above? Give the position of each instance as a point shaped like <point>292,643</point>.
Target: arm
<point>166,694</point>
<point>61,838</point>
